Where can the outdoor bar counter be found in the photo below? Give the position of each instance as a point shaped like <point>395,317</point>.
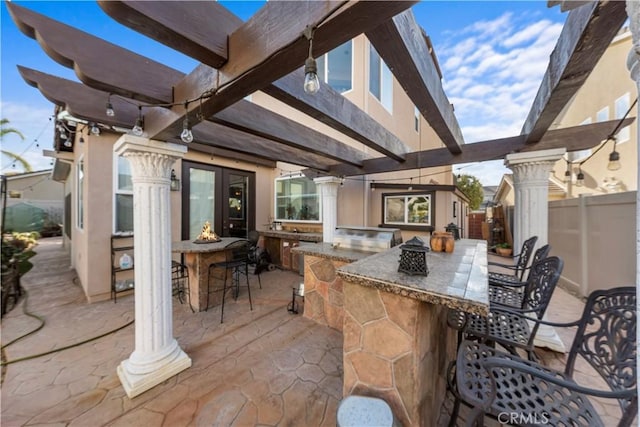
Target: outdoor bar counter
<point>197,257</point>
<point>396,341</point>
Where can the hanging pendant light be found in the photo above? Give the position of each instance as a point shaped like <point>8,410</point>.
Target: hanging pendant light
<point>311,81</point>
<point>138,129</point>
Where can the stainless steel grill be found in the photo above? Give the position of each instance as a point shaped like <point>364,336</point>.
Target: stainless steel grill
<point>367,238</point>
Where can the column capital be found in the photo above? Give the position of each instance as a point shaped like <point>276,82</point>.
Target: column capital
<point>633,58</point>
<point>541,156</point>
<point>327,180</point>
<point>150,160</point>
<point>131,143</point>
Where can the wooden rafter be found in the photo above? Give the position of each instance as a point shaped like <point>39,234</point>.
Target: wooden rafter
<point>199,29</point>
<point>327,106</point>
<point>250,118</point>
<point>572,138</point>
<point>86,103</point>
<point>400,42</point>
<point>585,36</point>
<point>271,45</point>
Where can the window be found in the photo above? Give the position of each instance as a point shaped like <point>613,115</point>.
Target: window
<point>622,105</point>
<point>335,67</point>
<point>576,156</point>
<point>416,118</point>
<point>602,115</point>
<point>80,192</point>
<point>297,199</point>
<point>408,209</point>
<point>13,194</point>
<point>123,196</point>
<point>380,80</point>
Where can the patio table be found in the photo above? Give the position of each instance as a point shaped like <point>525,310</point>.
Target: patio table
<point>198,257</point>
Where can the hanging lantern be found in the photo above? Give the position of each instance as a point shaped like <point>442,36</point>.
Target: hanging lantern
<point>413,258</point>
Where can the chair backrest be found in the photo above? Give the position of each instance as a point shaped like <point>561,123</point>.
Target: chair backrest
<point>253,237</point>
<point>606,339</point>
<point>238,251</point>
<point>525,255</point>
<point>541,253</point>
<point>541,283</point>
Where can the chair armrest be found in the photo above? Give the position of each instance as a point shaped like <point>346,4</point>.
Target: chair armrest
<point>497,264</point>
<point>522,313</point>
<point>494,363</point>
<point>514,285</point>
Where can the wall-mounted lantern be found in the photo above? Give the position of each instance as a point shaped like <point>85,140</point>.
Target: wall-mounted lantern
<point>175,182</point>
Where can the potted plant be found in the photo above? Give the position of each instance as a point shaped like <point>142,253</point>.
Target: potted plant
<point>504,249</point>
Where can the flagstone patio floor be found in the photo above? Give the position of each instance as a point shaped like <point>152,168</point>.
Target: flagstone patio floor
<point>264,367</point>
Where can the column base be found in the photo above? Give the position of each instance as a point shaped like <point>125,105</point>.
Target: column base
<point>549,338</point>
<point>135,384</point>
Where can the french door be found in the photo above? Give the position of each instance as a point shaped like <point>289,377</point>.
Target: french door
<point>224,197</point>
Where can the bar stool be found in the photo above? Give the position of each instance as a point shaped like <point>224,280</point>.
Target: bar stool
<point>237,260</point>
<point>180,282</point>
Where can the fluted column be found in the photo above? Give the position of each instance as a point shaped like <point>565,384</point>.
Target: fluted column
<point>329,192</point>
<point>157,355</point>
<point>531,215</point>
<point>633,10</point>
<point>531,185</point>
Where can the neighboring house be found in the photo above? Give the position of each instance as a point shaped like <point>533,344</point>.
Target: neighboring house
<point>238,192</point>
<point>607,94</point>
<point>34,201</point>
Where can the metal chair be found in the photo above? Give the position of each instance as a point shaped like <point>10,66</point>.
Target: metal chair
<point>500,384</point>
<point>519,267</point>
<point>510,292</point>
<point>180,282</point>
<point>237,260</point>
<point>509,327</point>
<point>253,237</point>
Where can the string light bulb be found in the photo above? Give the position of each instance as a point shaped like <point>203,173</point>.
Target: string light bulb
<point>186,136</point>
<point>579,178</point>
<point>567,176</point>
<point>410,184</point>
<point>614,160</point>
<point>68,143</point>
<point>138,129</point>
<point>311,81</point>
<point>95,130</point>
<point>109,110</point>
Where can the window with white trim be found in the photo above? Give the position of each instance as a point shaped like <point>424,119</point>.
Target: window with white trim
<point>380,79</point>
<point>336,67</point>
<point>123,196</point>
<point>576,156</point>
<point>297,199</point>
<point>621,107</point>
<point>416,119</point>
<point>602,115</point>
<point>408,209</point>
<point>80,194</point>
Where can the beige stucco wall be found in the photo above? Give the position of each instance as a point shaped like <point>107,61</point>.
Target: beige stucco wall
<point>594,235</point>
<point>608,81</point>
<point>35,186</point>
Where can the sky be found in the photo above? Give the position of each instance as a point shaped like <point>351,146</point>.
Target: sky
<point>493,55</point>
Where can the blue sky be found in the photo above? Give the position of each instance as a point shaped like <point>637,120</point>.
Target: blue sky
<point>492,54</point>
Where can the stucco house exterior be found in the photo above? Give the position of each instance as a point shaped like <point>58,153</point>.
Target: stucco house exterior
<point>238,193</point>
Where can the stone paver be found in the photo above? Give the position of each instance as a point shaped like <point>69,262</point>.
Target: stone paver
<point>260,367</point>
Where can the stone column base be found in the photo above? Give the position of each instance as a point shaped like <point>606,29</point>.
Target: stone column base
<point>135,384</point>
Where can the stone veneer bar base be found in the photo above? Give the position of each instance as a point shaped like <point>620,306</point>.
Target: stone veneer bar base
<point>397,349</point>
<point>323,291</point>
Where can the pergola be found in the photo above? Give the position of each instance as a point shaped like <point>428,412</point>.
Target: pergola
<point>265,54</point>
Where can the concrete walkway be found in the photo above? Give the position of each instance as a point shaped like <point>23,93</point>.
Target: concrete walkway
<point>262,367</point>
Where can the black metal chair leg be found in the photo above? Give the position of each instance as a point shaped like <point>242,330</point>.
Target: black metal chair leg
<point>224,292</point>
<point>246,270</point>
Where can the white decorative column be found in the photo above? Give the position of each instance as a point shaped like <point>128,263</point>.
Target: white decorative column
<point>329,192</point>
<point>531,215</point>
<point>633,10</point>
<point>531,185</point>
<point>157,355</point>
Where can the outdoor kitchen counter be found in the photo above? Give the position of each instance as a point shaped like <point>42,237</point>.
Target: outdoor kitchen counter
<point>290,235</point>
<point>328,251</point>
<point>396,342</point>
<point>279,243</point>
<point>458,280</point>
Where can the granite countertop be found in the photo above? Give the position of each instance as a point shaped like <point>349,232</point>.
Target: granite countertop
<point>458,280</point>
<point>290,235</point>
<point>187,246</point>
<point>326,250</point>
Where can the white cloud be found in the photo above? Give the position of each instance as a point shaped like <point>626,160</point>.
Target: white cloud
<point>528,33</point>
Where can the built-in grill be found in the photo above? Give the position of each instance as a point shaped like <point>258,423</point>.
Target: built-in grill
<point>366,238</point>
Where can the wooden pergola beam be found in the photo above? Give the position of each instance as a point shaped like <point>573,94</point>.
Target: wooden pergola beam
<point>271,45</point>
<point>64,43</point>
<point>572,138</point>
<point>327,106</point>
<point>86,103</point>
<point>199,29</point>
<point>249,117</point>
<point>401,44</point>
<point>585,36</point>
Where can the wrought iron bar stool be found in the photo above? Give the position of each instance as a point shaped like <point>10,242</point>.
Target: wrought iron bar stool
<point>519,267</point>
<point>180,282</point>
